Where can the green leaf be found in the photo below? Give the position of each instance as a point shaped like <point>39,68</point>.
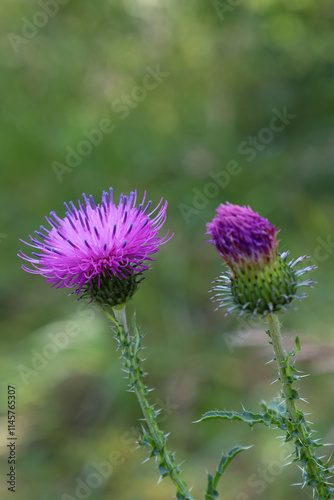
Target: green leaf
<point>211,492</point>
<point>297,342</point>
<point>247,417</point>
<point>291,355</point>
<point>226,459</point>
<point>164,471</point>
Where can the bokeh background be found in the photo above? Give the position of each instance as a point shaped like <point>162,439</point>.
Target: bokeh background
<point>226,70</point>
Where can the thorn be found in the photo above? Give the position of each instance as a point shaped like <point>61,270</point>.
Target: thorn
<point>268,362</point>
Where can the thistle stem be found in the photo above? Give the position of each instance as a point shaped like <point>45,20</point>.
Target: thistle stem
<point>130,347</point>
<point>280,355</point>
<point>120,315</point>
<point>314,468</point>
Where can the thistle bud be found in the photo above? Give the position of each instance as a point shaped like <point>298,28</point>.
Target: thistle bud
<point>260,279</point>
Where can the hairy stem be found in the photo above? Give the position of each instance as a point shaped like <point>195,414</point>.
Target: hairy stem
<point>315,470</point>
<point>130,346</point>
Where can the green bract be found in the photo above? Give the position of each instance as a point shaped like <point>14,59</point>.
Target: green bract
<point>261,289</point>
<point>113,292</point>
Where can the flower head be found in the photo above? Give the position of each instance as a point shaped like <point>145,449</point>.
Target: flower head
<point>260,280</point>
<point>100,249</point>
<point>242,235</point>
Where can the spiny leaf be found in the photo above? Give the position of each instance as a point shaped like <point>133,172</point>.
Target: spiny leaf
<point>211,492</point>
<point>297,342</point>
<point>247,417</point>
<point>164,471</point>
<point>226,459</point>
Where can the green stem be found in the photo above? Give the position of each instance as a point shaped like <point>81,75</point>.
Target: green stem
<point>120,315</point>
<point>212,486</point>
<point>280,355</point>
<point>157,439</point>
<point>304,445</point>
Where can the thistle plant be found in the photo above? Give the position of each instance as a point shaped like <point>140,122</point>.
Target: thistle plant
<point>260,281</point>
<point>102,251</point>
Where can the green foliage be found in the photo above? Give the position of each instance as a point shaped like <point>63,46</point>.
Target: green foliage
<point>211,492</point>
<point>225,78</point>
<point>315,472</point>
<point>285,416</point>
<point>130,347</point>
<point>275,414</point>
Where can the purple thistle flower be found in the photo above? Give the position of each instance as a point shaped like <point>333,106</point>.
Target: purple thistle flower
<point>260,280</point>
<point>242,235</point>
<point>97,241</point>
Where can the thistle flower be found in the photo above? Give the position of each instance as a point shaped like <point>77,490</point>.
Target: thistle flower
<point>99,249</point>
<point>260,280</point>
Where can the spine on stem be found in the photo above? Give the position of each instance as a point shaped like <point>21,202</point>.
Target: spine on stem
<point>314,471</point>
<point>153,436</point>
<point>261,281</point>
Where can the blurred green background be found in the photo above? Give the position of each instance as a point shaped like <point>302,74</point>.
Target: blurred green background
<point>227,69</point>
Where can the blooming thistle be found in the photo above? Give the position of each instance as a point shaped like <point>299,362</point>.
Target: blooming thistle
<point>260,279</point>
<point>99,249</point>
